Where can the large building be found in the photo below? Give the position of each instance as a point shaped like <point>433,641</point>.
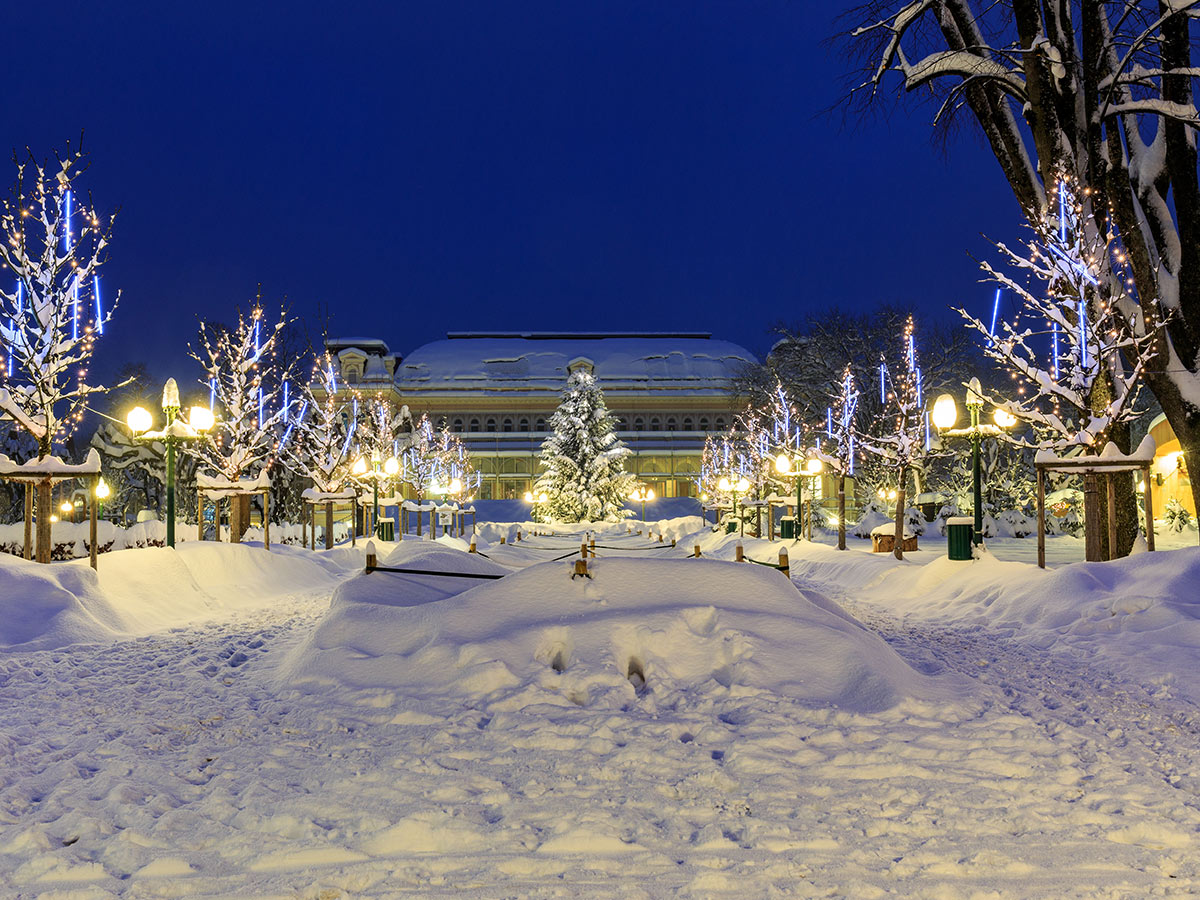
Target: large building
<point>498,390</point>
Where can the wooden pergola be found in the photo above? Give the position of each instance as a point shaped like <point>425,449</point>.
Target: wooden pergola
<point>1111,461</point>
<point>328,499</point>
<point>45,474</point>
<point>219,488</point>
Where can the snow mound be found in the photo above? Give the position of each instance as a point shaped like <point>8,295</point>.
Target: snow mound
<point>639,628</point>
<point>144,590</point>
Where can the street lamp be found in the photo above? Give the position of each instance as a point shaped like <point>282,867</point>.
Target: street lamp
<point>200,419</point>
<point>102,493</point>
<point>735,485</point>
<point>68,509</point>
<point>800,469</point>
<point>379,470</point>
<point>643,494</point>
<point>945,414</point>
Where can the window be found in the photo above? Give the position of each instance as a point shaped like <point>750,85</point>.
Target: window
<point>474,425</point>
<point>523,425</point>
<point>458,426</point>
<point>352,376</point>
<point>720,424</point>
<point>541,425</point>
<point>655,424</point>
<point>704,423</point>
<point>639,424</point>
<point>508,425</point>
<point>687,424</point>
<point>491,425</point>
<point>671,424</point>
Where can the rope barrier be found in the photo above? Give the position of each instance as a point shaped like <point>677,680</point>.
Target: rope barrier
<point>767,564</point>
<point>432,572</point>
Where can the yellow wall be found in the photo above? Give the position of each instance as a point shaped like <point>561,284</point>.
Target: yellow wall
<point>1171,480</point>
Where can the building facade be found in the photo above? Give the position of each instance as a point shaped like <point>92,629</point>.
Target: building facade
<point>498,391</point>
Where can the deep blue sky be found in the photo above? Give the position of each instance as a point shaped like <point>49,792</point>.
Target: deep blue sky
<point>419,168</point>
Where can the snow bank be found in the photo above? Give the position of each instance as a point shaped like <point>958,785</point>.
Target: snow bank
<point>143,590</point>
<point>657,628</point>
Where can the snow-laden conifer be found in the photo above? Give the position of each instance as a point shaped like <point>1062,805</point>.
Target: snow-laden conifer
<point>584,477</point>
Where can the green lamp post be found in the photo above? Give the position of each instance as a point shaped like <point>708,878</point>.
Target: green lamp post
<point>177,431</point>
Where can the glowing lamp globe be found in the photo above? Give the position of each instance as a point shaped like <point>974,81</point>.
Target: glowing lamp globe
<point>170,394</point>
<point>139,419</point>
<point>723,484</point>
<point>1004,418</point>
<point>455,486</point>
<point>814,466</point>
<point>392,466</point>
<point>201,418</point>
<point>974,393</point>
<point>783,464</point>
<point>945,413</point>
<point>360,466</point>
<point>67,507</point>
<point>649,495</point>
<point>742,485</point>
<point>102,490</point>
<point>529,496</point>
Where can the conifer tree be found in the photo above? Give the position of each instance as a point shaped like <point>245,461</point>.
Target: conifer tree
<point>584,478</point>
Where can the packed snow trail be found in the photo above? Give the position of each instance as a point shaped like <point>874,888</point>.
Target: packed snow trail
<point>173,765</point>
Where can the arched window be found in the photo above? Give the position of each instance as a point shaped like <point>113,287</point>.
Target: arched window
<point>655,424</point>
<point>523,425</point>
<point>474,425</point>
<point>720,424</point>
<point>458,426</point>
<point>687,424</point>
<point>491,425</point>
<point>639,424</point>
<point>704,423</point>
<point>352,376</point>
<point>507,425</point>
<point>671,424</point>
<point>541,425</point>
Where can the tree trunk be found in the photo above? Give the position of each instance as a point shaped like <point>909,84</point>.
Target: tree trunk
<point>841,512</point>
<point>328,525</point>
<point>898,545</point>
<point>1093,522</point>
<point>27,552</point>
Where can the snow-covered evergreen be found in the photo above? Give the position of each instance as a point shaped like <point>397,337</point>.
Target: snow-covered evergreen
<point>584,478</point>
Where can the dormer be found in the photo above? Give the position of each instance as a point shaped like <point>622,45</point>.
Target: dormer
<point>581,363</point>
<point>352,363</point>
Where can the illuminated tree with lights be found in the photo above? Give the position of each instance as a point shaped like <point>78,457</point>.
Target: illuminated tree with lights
<point>54,244</point>
<point>318,442</point>
<point>1076,360</point>
<point>584,461</point>
<point>249,387</point>
<point>903,440</point>
<point>838,451</point>
<point>434,460</point>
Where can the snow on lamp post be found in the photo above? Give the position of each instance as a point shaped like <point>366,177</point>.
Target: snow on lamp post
<point>800,468</point>
<point>642,494</point>
<point>177,431</point>
<point>945,414</point>
<point>378,470</point>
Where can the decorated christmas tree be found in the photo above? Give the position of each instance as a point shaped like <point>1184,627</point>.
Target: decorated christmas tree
<point>584,478</point>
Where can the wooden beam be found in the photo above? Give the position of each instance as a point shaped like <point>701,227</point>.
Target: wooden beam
<point>1041,517</point>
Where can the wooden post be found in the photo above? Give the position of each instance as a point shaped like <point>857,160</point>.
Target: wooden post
<point>353,522</point>
<point>370,556</point>
<point>1149,501</point>
<point>770,522</point>
<point>1041,517</point>
<point>217,516</point>
<point>660,537</point>
<point>27,552</point>
<point>1111,489</point>
<point>45,501</point>
<point>472,550</point>
<point>783,563</point>
<point>740,554</point>
<point>199,514</point>
<point>696,551</point>
<point>592,545</point>
<point>672,542</point>
<point>503,539</point>
<point>266,520</point>
<point>581,569</point>
<point>1091,500</point>
<point>95,479</point>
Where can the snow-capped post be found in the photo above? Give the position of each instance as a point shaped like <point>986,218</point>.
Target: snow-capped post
<point>473,547</point>
<point>53,245</point>
<point>1076,356</point>
<point>696,551</point>
<point>584,477</point>
<point>739,552</point>
<point>784,567</point>
<point>371,556</point>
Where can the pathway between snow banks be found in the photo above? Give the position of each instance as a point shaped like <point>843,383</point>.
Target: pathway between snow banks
<point>301,749</point>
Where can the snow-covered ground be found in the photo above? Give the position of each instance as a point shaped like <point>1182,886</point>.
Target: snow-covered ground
<point>222,721</point>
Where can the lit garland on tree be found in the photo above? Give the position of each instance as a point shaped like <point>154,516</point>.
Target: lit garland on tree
<point>1076,360</point>
<point>317,442</point>
<point>51,313</point>
<point>837,454</point>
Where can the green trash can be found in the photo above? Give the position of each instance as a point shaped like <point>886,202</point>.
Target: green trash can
<point>731,526</point>
<point>787,528</point>
<point>959,533</point>
<point>385,530</point>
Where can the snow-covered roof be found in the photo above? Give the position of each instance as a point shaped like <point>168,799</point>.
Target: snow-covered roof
<point>539,362</point>
<point>370,345</point>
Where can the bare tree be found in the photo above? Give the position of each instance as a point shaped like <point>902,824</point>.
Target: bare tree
<point>1100,91</point>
